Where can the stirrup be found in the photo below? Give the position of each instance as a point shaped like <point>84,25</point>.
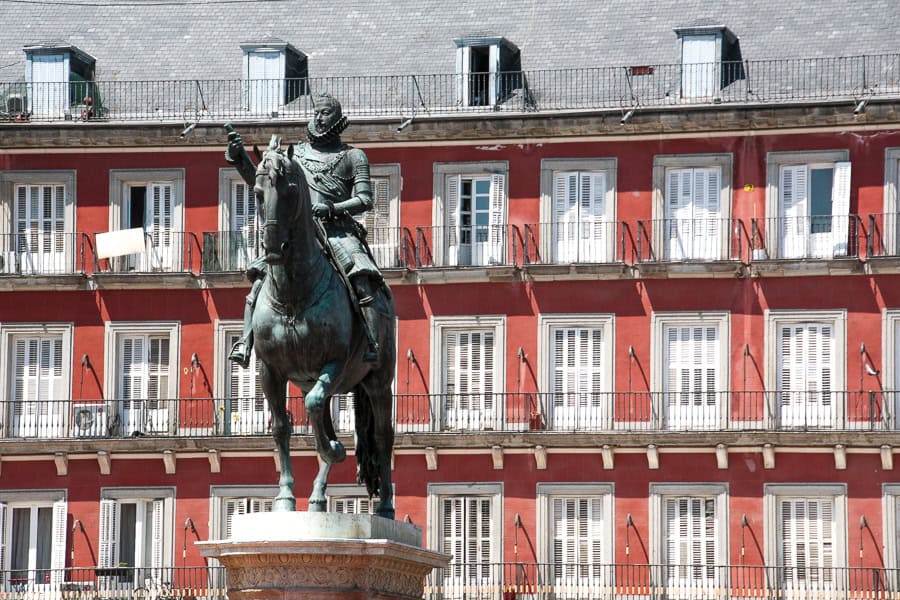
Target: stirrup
<point>371,355</point>
<point>239,354</point>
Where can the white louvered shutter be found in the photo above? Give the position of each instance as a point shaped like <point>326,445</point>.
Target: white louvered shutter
<point>578,377</point>
<point>690,539</point>
<point>699,67</point>
<point>379,223</point>
<point>463,68</point>
<point>840,208</point>
<point>40,228</point>
<point>807,541</point>
<point>452,540</point>
<point>58,546</point>
<point>38,386</point>
<point>469,379</point>
<point>565,217</point>
<point>157,533</point>
<point>707,215</point>
<point>244,245</point>
<point>249,410</point>
<point>594,245</point>
<point>108,554</point>
<point>352,505</point>
<point>478,535</point>
<point>692,376</point>
<point>233,506</point>
<point>4,536</point>
<point>806,373</point>
<point>496,220</point>
<point>679,213</point>
<point>160,225</point>
<point>451,233</point>
<point>794,204</point>
<point>577,549</point>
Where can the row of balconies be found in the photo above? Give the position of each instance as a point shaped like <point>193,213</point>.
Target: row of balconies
<point>497,581</point>
<point>612,412</point>
<point>648,241</point>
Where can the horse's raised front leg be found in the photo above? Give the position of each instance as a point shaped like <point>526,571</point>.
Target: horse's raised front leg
<point>275,390</point>
<point>329,448</point>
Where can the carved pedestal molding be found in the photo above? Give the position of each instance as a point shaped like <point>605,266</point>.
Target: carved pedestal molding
<point>298,561</point>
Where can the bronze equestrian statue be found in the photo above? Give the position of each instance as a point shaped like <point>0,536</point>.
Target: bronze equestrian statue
<point>319,313</point>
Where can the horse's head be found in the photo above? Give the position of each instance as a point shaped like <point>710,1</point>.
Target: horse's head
<point>280,199</point>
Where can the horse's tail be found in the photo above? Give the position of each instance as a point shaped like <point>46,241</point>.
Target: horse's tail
<point>368,470</point>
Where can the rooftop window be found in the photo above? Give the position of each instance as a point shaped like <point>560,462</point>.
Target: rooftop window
<point>480,61</point>
<point>274,74</point>
<point>710,60</point>
<point>58,76</point>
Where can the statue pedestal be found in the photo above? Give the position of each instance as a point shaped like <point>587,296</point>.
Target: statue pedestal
<point>323,556</point>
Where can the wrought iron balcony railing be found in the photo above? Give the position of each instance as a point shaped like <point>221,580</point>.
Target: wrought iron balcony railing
<point>151,583</point>
<point>40,252</point>
<point>165,251</point>
<point>850,78</point>
<point>883,235</point>
<point>468,246</point>
<point>647,412</point>
<point>818,236</point>
<point>696,240</point>
<point>560,243</point>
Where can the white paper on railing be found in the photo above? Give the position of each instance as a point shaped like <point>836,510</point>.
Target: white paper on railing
<point>120,243</point>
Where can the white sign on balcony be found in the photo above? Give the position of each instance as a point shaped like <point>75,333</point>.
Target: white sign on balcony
<point>120,243</point>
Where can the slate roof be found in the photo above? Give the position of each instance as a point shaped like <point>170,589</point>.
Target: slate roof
<point>186,39</point>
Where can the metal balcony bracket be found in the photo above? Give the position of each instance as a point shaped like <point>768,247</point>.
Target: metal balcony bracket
<point>497,457</point>
<point>652,457</point>
<point>540,458</point>
<point>608,454</point>
<point>722,456</point>
<point>105,462</point>
<point>768,453</point>
<point>215,461</point>
<point>840,457</point>
<point>887,458</point>
<point>431,458</point>
<point>169,461</point>
<point>62,464</point>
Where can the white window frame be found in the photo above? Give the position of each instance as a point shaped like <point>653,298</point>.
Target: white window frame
<point>547,323</point>
<point>218,494</point>
<point>387,246</point>
<point>40,498</point>
<point>891,525</point>
<point>659,492</point>
<point>774,319</point>
<point>441,172</point>
<point>8,182</point>
<point>148,494</point>
<point>774,162</point>
<point>266,107</point>
<point>9,332</point>
<point>547,492</point>
<point>659,321</point>
<point>121,180</point>
<point>464,69</point>
<point>439,325</point>
<point>689,76</point>
<point>114,331</point>
<point>889,336</point>
<point>772,494</point>
<point>662,164</point>
<point>227,178</point>
<point>53,95</point>
<point>890,232</point>
<point>549,168</point>
<point>342,491</point>
<point>438,491</point>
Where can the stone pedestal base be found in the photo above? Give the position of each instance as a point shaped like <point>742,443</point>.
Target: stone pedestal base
<point>323,556</point>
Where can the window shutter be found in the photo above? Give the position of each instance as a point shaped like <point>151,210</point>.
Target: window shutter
<point>565,216</point>
<point>692,367</point>
<point>463,62</point>
<point>158,380</point>
<point>108,555</point>
<point>794,207</point>
<point>478,538</point>
<point>807,539</point>
<point>577,534</point>
<point>840,207</point>
<point>157,532</point>
<point>4,534</point>
<point>452,532</point>
<point>233,506</point>
<point>25,378</point>
<point>378,220</point>
<point>134,376</point>
<point>58,547</point>
<point>707,214</point>
<point>690,538</point>
<point>497,228</point>
<point>592,216</point>
<point>451,362</point>
<point>451,231</point>
<point>679,213</point>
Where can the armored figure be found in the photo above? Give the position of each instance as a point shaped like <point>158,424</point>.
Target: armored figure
<point>339,188</point>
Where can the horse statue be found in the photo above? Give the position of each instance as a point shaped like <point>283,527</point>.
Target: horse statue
<point>306,331</point>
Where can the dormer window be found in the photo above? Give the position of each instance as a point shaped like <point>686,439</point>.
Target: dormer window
<point>57,76</point>
<point>480,61</point>
<point>710,60</point>
<point>274,74</point>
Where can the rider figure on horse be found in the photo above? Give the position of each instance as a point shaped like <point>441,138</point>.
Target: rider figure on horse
<point>339,188</point>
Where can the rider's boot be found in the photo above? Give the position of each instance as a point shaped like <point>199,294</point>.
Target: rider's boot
<point>366,301</point>
<point>240,352</point>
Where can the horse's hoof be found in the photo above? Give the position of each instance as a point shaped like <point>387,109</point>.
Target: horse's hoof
<point>317,505</point>
<point>284,504</point>
<point>387,513</point>
<point>336,452</point>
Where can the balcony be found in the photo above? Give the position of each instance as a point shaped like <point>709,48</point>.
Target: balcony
<point>690,246</point>
<point>233,251</point>
<point>613,412</point>
<point>833,79</point>
<point>158,583</point>
<point>476,245</point>
<point>165,251</point>
<point>818,237</point>
<point>561,247</point>
<point>43,253</point>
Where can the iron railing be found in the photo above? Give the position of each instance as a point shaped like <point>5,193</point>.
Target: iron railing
<point>41,252</point>
<point>597,580</point>
<point>696,240</point>
<point>851,78</point>
<point>883,235</point>
<point>148,583</point>
<point>820,236</point>
<point>559,243</point>
<point>502,412</point>
<point>468,246</point>
<point>165,251</point>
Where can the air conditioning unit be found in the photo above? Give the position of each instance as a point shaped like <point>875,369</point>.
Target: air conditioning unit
<point>91,420</point>
<point>15,104</point>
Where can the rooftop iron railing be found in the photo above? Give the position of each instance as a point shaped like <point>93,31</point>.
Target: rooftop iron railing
<point>611,412</point>
<point>850,78</point>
